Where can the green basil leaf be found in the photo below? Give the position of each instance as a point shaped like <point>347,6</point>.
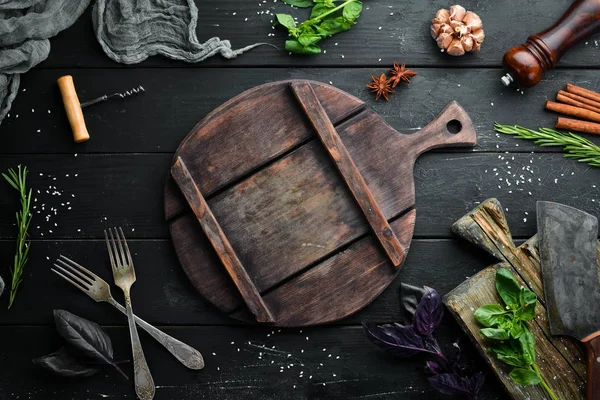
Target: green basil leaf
<point>526,297</point>
<point>508,288</point>
<point>527,313</point>
<point>286,20</point>
<point>352,11</point>
<point>327,3</point>
<point>329,27</point>
<point>345,23</point>
<point>517,329</point>
<point>527,343</point>
<point>295,46</point>
<point>489,315</point>
<point>495,333</point>
<point>509,352</point>
<point>307,40</point>
<point>524,376</point>
<point>319,9</point>
<point>299,3</point>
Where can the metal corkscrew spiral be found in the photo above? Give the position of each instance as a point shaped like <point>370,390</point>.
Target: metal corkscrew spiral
<point>127,93</point>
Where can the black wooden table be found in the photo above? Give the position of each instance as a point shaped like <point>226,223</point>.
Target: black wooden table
<point>117,178</point>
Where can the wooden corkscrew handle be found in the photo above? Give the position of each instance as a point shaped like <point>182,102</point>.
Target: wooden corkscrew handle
<point>73,108</point>
<point>527,63</point>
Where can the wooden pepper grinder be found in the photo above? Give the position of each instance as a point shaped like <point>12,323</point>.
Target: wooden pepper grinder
<point>526,63</point>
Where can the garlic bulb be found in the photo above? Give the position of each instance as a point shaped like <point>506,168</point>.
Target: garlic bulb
<point>457,31</point>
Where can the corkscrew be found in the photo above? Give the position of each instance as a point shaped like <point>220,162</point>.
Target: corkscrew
<point>122,95</point>
<point>74,108</point>
<point>527,63</point>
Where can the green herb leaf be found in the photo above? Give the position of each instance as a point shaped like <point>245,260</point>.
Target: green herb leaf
<point>308,39</point>
<point>526,297</point>
<point>508,288</point>
<point>526,313</point>
<point>299,3</point>
<point>509,352</point>
<point>318,10</point>
<point>352,10</point>
<point>296,47</point>
<point>326,19</point>
<point>328,3</point>
<point>489,315</point>
<point>574,146</point>
<point>516,329</point>
<point>18,180</point>
<point>286,20</point>
<point>527,343</point>
<point>524,376</point>
<point>495,333</point>
<point>329,27</point>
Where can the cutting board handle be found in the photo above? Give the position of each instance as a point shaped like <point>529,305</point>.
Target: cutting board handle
<point>451,128</point>
<point>486,227</point>
<point>592,346</point>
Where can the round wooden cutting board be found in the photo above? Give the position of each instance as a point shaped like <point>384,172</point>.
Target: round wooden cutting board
<point>293,204</point>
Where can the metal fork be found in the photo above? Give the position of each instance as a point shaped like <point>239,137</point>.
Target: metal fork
<point>99,290</point>
<point>124,274</point>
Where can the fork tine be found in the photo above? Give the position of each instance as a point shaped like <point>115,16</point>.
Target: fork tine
<point>82,283</point>
<point>81,268</point>
<point>122,252</point>
<point>113,240</point>
<point>126,247</point>
<point>66,278</point>
<point>110,253</point>
<point>68,267</point>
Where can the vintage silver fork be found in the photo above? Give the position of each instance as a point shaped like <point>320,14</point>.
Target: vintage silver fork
<point>99,290</point>
<point>124,274</point>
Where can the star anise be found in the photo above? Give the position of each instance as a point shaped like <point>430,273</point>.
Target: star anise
<point>399,73</point>
<point>381,86</point>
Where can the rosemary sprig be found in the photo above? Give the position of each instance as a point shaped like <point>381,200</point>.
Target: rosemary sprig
<point>575,146</point>
<point>17,179</point>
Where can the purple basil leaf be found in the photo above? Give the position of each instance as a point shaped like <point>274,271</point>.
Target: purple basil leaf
<point>433,368</point>
<point>431,344</point>
<point>409,300</point>
<point>476,382</point>
<point>453,356</point>
<point>398,340</point>
<point>429,312</point>
<point>452,384</point>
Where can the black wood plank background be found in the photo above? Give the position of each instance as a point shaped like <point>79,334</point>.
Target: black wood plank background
<point>117,178</point>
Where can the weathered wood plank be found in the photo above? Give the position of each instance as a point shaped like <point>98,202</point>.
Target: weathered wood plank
<point>249,131</point>
<point>259,363</point>
<point>356,183</point>
<point>560,359</point>
<point>220,243</point>
<point>176,99</point>
<point>126,190</point>
<point>404,33</point>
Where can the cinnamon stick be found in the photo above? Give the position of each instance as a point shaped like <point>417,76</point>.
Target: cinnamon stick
<point>590,94</point>
<point>573,111</point>
<point>565,97</point>
<point>577,125</point>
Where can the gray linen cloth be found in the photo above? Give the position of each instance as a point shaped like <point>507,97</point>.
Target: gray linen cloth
<point>25,26</point>
<point>129,31</point>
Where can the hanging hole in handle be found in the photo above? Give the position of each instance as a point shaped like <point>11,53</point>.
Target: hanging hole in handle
<point>454,126</point>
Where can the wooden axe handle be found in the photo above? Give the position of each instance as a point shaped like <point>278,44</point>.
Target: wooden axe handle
<point>73,108</point>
